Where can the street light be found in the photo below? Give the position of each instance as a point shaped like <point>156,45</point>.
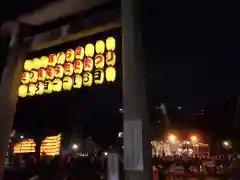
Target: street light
<point>74,147</point>
<point>227,144</point>
<point>194,139</point>
<point>172,138</point>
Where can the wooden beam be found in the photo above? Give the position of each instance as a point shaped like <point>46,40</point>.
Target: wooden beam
<point>75,36</point>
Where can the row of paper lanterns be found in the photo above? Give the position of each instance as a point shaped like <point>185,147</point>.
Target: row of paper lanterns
<point>80,53</point>
<point>67,82</point>
<point>67,69</point>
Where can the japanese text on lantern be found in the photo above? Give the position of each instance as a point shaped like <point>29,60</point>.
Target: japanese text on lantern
<point>75,68</point>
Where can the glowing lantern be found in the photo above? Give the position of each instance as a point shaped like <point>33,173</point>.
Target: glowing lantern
<point>22,90</point>
<point>33,76</point>
<point>110,44</point>
<point>28,65</point>
<point>32,89</point>
<point>50,146</point>
<point>99,61</point>
<point>77,81</point>
<point>47,87</point>
<point>98,76</point>
<point>88,64</point>
<point>89,50</point>
<point>110,74</point>
<point>87,79</point>
<point>78,66</point>
<point>25,77</point>
<point>68,69</point>
<point>57,85</point>
<point>44,61</point>
<point>100,47</point>
<point>40,88</point>
<point>110,58</point>
<point>67,83</point>
<point>79,53</point>
<point>61,58</point>
<point>59,70</point>
<point>42,74</point>
<point>50,73</point>
<point>25,146</point>
<point>52,60</point>
<point>70,55</point>
<point>37,63</point>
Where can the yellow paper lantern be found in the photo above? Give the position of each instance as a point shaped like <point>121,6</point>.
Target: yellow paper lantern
<point>50,73</point>
<point>87,79</point>
<point>88,64</point>
<point>98,76</point>
<point>28,65</point>
<point>32,89</point>
<point>68,69</point>
<point>44,61</point>
<point>52,60</point>
<point>37,63</point>
<point>67,83</point>
<point>79,51</point>
<point>59,71</point>
<point>57,85</point>
<point>77,81</point>
<point>70,55</point>
<point>47,87</point>
<point>99,61</point>
<point>22,90</point>
<point>78,66</point>
<point>110,74</point>
<point>33,76</point>
<point>110,44</point>
<point>110,58</point>
<point>61,58</point>
<point>39,88</point>
<point>89,50</point>
<point>42,74</point>
<point>25,77</point>
<point>100,47</point>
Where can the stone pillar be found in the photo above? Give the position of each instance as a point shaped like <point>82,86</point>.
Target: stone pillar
<point>8,89</point>
<point>134,87</point>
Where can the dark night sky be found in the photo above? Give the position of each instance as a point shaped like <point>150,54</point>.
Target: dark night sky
<point>192,55</point>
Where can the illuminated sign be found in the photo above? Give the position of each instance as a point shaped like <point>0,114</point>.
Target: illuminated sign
<point>76,68</point>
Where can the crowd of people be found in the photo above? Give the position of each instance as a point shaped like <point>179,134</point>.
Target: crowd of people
<point>94,167</point>
<point>69,167</point>
<point>218,166</point>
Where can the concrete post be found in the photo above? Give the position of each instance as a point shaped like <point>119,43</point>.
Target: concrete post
<point>134,88</point>
<point>8,90</point>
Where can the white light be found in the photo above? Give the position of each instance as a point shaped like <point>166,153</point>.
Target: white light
<point>74,146</point>
<point>179,107</point>
<point>21,137</point>
<point>225,143</point>
<point>105,153</point>
<point>120,134</point>
<point>121,110</point>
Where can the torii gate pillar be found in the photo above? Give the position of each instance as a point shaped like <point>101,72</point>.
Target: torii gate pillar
<point>137,144</point>
<point>9,86</point>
